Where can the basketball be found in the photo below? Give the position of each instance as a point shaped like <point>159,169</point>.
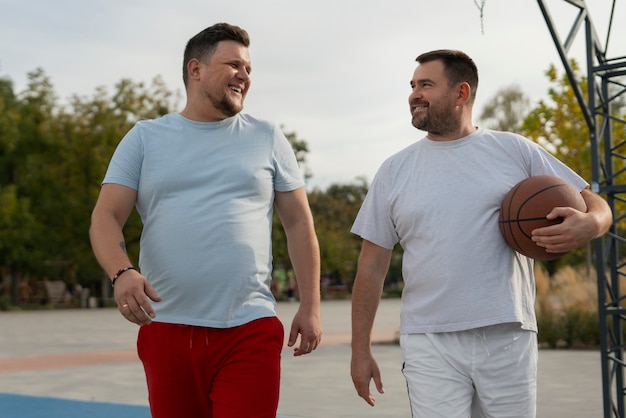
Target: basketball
<point>525,207</point>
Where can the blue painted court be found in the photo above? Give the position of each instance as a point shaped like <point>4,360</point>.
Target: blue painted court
<point>26,406</point>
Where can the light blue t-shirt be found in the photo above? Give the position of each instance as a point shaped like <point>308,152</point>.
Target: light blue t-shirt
<point>205,193</point>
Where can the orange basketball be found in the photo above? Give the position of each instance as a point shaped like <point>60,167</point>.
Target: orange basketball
<point>525,207</point>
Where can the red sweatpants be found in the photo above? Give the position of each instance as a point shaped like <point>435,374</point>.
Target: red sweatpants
<point>198,372</point>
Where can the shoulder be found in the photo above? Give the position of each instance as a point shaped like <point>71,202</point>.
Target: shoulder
<point>250,121</point>
<point>393,165</point>
<point>491,134</point>
<point>511,141</point>
<point>258,130</point>
<point>156,125</point>
<point>168,119</point>
<point>406,151</point>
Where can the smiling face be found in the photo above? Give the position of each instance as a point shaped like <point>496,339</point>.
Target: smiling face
<point>432,101</point>
<point>226,77</point>
<point>218,86</point>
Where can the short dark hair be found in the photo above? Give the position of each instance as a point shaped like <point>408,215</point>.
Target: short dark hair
<point>202,46</point>
<point>458,67</point>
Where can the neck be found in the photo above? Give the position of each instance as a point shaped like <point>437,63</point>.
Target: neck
<point>462,132</point>
<point>208,115</point>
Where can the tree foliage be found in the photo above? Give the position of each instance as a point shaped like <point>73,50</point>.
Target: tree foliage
<point>558,124</point>
<point>506,110</point>
<point>52,159</point>
<point>334,211</point>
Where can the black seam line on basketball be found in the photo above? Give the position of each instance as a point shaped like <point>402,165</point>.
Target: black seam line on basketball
<point>546,188</point>
<point>537,193</point>
<point>512,197</point>
<point>514,221</point>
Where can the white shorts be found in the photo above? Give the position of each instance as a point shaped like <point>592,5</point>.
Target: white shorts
<point>483,372</point>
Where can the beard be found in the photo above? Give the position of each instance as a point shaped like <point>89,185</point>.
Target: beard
<point>437,120</point>
<point>225,104</point>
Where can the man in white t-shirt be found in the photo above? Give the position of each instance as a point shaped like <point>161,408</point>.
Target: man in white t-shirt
<point>205,182</point>
<point>468,327</point>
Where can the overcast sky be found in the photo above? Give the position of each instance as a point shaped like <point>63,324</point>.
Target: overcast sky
<point>334,71</point>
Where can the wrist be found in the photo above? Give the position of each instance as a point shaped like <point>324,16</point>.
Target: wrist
<point>119,273</point>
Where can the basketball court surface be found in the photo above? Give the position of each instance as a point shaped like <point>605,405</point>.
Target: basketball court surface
<point>83,363</point>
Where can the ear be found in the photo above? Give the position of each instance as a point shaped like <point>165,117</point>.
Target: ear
<point>193,69</point>
<point>465,92</point>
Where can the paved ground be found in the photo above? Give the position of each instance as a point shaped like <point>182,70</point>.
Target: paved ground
<point>90,355</point>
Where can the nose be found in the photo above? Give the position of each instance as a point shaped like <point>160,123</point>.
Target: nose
<point>415,95</point>
<point>243,74</point>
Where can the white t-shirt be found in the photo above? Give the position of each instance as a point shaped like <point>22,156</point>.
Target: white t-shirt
<point>205,193</point>
<point>440,201</point>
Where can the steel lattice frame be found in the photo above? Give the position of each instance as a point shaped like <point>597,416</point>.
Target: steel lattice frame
<point>609,179</point>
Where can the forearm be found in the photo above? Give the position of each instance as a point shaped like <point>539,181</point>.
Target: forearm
<point>598,208</point>
<point>109,215</point>
<point>366,292</point>
<point>297,220</point>
<point>107,242</point>
<point>304,253</point>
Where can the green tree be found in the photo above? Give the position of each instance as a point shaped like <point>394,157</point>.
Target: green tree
<point>9,132</point>
<point>505,111</point>
<point>16,234</point>
<point>558,124</point>
<point>24,134</point>
<point>334,212</point>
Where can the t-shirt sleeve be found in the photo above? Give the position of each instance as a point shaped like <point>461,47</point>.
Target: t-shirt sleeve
<point>374,222</point>
<point>287,175</point>
<point>125,165</point>
<point>544,163</point>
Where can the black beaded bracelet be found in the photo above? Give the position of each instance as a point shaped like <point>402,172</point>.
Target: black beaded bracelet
<point>119,273</point>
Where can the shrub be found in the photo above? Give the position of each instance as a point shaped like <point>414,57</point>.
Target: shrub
<point>567,308</point>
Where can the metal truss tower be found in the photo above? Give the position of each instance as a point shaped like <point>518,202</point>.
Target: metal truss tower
<point>600,105</point>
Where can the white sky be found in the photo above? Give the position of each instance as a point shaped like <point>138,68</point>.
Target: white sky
<point>334,71</point>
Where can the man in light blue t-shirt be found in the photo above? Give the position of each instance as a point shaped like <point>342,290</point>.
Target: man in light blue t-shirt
<point>205,182</point>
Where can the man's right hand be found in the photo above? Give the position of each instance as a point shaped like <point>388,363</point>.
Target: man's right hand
<point>364,368</point>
